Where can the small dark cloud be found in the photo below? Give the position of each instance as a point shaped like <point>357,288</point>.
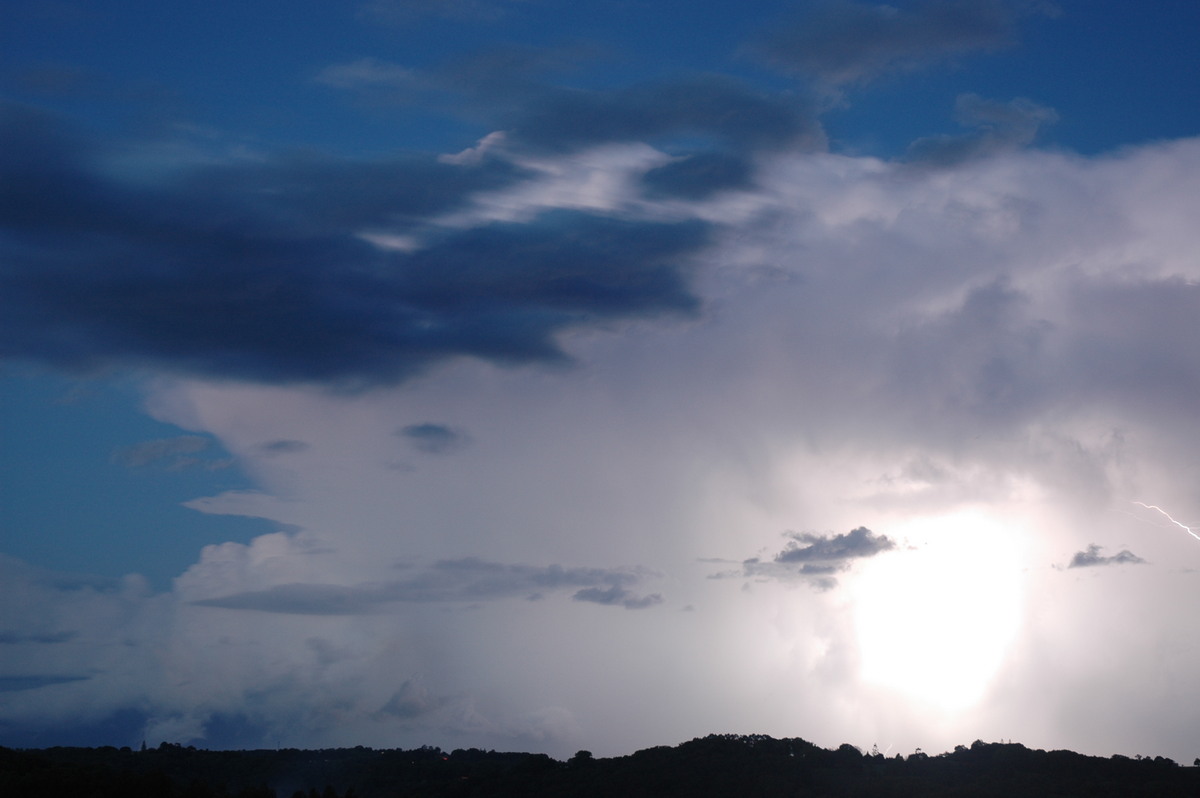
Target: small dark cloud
<point>700,175</point>
<point>466,580</point>
<point>815,559</point>
<point>272,448</point>
<point>169,453</point>
<point>13,684</point>
<point>432,438</point>
<point>809,548</point>
<point>840,43</point>
<point>617,596</point>
<point>998,126</point>
<point>1092,557</point>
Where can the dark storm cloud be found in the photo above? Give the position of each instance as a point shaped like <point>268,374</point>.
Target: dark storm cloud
<point>432,438</point>
<point>997,126</point>
<point>815,559</point>
<point>1092,557</point>
<point>848,42</point>
<point>258,271</point>
<point>700,175</point>
<point>464,580</point>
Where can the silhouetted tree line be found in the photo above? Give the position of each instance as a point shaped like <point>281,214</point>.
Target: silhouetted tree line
<point>746,766</point>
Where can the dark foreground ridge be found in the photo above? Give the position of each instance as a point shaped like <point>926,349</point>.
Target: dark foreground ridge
<point>719,765</point>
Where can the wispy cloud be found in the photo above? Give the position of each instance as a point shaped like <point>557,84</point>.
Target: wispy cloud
<point>998,126</point>
<point>367,74</point>
<point>850,42</point>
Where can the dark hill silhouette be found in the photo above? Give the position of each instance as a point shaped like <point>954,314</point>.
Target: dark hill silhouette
<point>747,766</point>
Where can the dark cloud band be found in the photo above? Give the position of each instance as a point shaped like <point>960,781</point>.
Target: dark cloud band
<point>261,272</point>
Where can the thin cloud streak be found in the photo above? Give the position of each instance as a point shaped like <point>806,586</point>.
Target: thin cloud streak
<point>463,580</point>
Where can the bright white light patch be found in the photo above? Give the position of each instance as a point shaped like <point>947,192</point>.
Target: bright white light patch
<point>934,621</point>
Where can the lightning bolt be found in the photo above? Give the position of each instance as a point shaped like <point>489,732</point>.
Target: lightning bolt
<point>1167,516</point>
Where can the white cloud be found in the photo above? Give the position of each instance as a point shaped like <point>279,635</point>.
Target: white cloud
<point>878,343</point>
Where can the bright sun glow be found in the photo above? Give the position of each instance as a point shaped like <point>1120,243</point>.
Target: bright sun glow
<point>934,621</point>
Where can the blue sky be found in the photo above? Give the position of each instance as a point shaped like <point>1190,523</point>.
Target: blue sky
<point>411,372</point>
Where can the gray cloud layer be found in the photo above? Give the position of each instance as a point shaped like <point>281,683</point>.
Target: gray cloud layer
<point>463,580</point>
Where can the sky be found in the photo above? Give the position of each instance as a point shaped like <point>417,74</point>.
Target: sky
<point>547,376</point>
